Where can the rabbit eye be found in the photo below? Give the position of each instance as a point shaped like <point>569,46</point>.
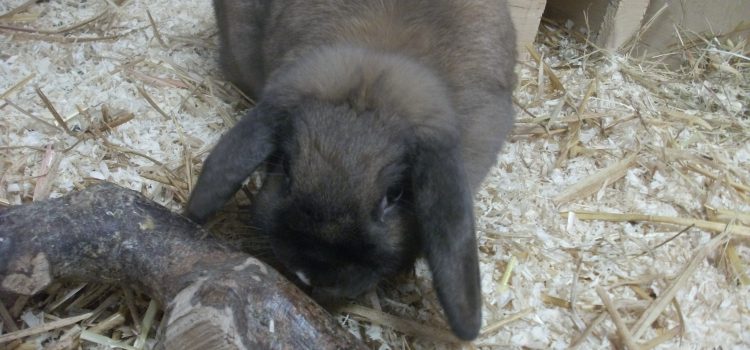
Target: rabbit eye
<point>391,197</point>
<point>393,194</point>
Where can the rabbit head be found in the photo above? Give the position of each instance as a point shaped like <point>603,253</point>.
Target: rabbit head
<point>364,172</point>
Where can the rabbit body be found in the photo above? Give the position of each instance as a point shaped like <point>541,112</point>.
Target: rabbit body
<point>377,121</point>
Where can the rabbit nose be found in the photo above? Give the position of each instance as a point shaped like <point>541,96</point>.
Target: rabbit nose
<point>303,277</point>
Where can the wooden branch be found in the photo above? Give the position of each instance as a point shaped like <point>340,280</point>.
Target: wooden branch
<point>215,297</point>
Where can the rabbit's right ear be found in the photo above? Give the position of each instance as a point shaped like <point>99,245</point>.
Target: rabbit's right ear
<point>237,154</point>
<point>443,204</point>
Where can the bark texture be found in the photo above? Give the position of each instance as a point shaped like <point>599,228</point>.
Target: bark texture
<point>215,297</point>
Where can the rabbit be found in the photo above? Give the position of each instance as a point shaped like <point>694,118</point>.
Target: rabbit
<point>376,122</point>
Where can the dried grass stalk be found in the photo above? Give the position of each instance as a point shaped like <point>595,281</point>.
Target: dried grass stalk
<point>108,323</point>
<point>402,325</point>
<point>588,331</point>
<point>18,9</point>
<point>53,110</point>
<point>622,329</point>
<point>725,215</point>
<point>593,183</point>
<point>28,114</point>
<point>736,263</point>
<point>661,339</point>
<point>554,80</point>
<point>555,301</point>
<point>17,86</point>
<point>42,328</point>
<point>148,321</point>
<point>156,29</point>
<point>48,172</point>
<point>658,305</point>
<point>499,324</point>
<point>712,226</point>
<point>507,273</point>
<point>102,340</point>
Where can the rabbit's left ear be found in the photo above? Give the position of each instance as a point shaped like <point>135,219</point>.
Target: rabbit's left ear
<point>237,154</point>
<point>443,205</point>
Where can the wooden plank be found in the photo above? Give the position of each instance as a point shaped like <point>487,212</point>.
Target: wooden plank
<point>586,15</point>
<point>621,22</point>
<point>610,23</point>
<point>697,16</point>
<point>614,23</point>
<point>526,16</point>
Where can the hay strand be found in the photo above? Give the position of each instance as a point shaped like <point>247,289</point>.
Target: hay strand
<point>53,110</point>
<point>507,273</point>
<point>155,29</point>
<point>554,80</point>
<point>662,338</point>
<point>105,341</point>
<point>622,329</point>
<point>711,226</point>
<point>35,118</point>
<point>578,341</point>
<point>726,215</point>
<point>148,321</point>
<point>736,263</point>
<point>593,183</point>
<point>17,86</point>
<point>658,305</point>
<point>42,328</point>
<point>495,326</point>
<point>108,323</point>
<point>18,9</point>
<point>402,325</point>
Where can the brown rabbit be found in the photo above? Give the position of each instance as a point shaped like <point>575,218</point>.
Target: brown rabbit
<point>378,120</point>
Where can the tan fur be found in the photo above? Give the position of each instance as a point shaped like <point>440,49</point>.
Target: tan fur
<point>368,80</point>
<point>466,45</point>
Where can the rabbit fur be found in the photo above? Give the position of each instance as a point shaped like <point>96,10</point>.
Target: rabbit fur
<point>376,121</point>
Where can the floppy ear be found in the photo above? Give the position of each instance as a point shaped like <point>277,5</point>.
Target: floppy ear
<point>237,154</point>
<point>443,205</point>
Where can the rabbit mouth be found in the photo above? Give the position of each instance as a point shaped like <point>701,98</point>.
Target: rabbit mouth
<point>347,286</point>
<point>335,292</point>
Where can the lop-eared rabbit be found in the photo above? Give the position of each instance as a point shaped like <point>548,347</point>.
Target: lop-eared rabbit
<point>377,121</point>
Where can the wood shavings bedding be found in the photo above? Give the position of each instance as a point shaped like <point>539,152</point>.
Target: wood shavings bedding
<point>676,122</point>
